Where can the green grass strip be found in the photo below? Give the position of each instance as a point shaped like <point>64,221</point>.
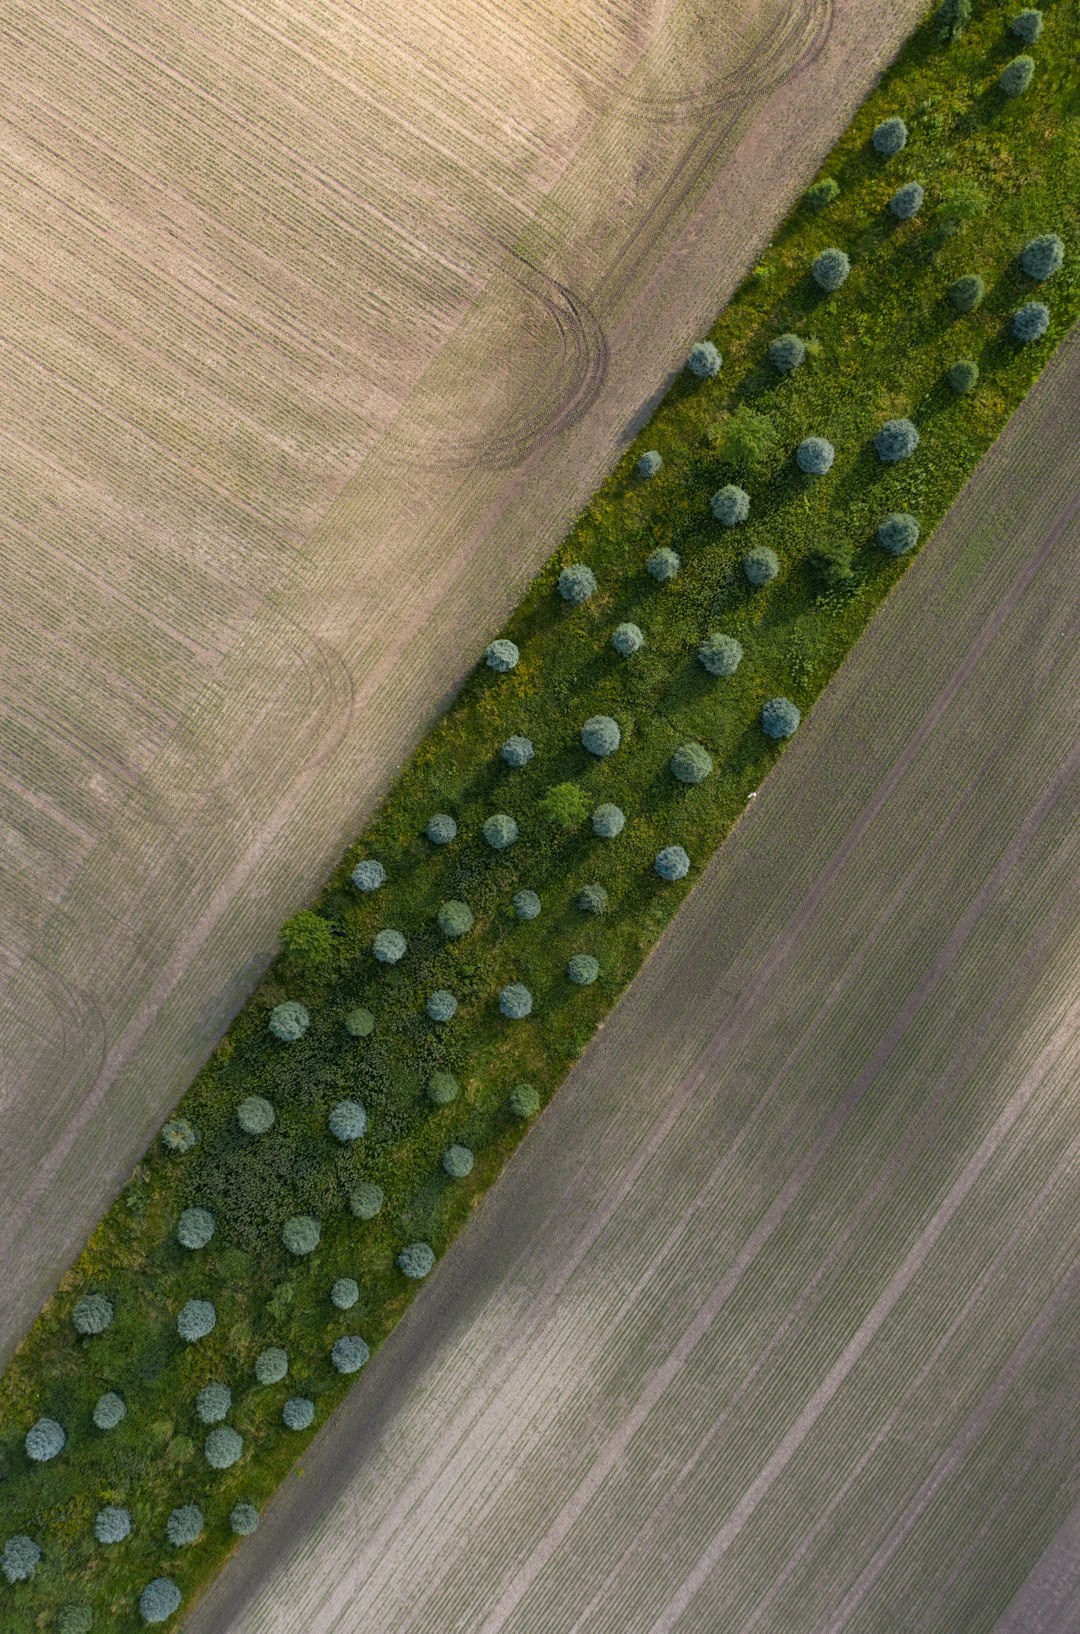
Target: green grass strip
<point>878,348</point>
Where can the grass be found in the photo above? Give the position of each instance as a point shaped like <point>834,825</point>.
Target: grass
<point>884,342</point>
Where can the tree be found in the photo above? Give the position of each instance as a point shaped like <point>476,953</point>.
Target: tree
<point>967,292</point>
<point>691,763</point>
<point>93,1313</point>
<point>963,375</point>
<point>601,735</point>
<point>672,863</point>
<point>1042,256</point>
<point>760,565</point>
<point>349,1353</point>
<point>746,438</point>
<point>517,751</point>
<point>607,821</point>
<point>366,1200</point>
<point>779,718</point>
<point>577,583</point>
<point>831,565</point>
<point>19,1558</point>
<point>416,1260</point>
<point>907,201</point>
<point>298,1412</point>
<point>583,969</point>
<point>347,1121</point>
<point>515,1001</point>
<point>897,440</point>
<point>1017,75</point>
<point>730,505</point>
<point>389,947</point>
<point>786,353</point>
<point>526,905</point>
<point>344,1293</point>
<point>74,1620</point>
<point>184,1525</point>
<point>223,1447</point>
<point>359,1023</point>
<point>159,1600</point>
<point>952,18</point>
<point>830,268</point>
<point>301,1233</point>
<point>178,1135</point>
<point>368,875</point>
<point>441,1005</point>
<point>271,1365</point>
<point>814,456</point>
<point>441,828</point>
<point>443,1088</point>
<point>662,564</point>
<point>457,1162</point>
<point>112,1524</point>
<point>109,1410</point>
<point>523,1101</point>
<point>307,941</point>
<point>44,1440</point>
<point>627,639</point>
<point>649,463</point>
<point>822,193</point>
<point>565,805</point>
<point>454,919</point>
<point>898,533</point>
<point>500,831</point>
<point>591,899</point>
<point>213,1402</point>
<point>197,1318</point>
<point>195,1227</point>
<point>255,1115</point>
<point>704,360</point>
<point>244,1519</point>
<point>289,1021</point>
<point>889,137</point>
<point>1030,321</point>
<point>720,654</point>
<point>1027,25</point>
<point>502,656</point>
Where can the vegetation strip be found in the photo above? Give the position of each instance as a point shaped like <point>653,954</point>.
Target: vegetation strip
<point>543,835</point>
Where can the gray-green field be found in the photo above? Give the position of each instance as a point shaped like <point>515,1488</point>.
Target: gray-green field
<point>773,1324</point>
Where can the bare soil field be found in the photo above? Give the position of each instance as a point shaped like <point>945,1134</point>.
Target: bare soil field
<point>324,323</point>
<point>773,1321</point>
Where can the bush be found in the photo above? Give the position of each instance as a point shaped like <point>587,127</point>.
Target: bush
<point>829,269</point>
<point>301,1233</point>
<point>195,1226</point>
<point>289,1021</point>
<point>454,919</point>
<point>345,1293</point>
<point>359,1023</point>
<point>347,1121</point>
<point>298,1412</point>
<point>441,1005</point>
<point>897,440</point>
<point>349,1353</point>
<point>814,456</point>
<point>526,905</point>
<point>184,1525</point>
<point>417,1259</point>
<point>831,565</point>
<point>306,939</point>
<point>730,505</point>
<point>760,565</point>
<point>1016,76</point>
<point>442,1088</point>
<point>565,805</point>
<point>515,1001</point>
<point>583,969</point>
<point>223,1447</point>
<point>577,583</point>
<point>502,656</point>
<point>178,1135</point>
<point>213,1402</point>
<point>720,654</point>
<point>627,639</point>
<point>74,1620</point>
<point>607,821</point>
<point>691,763</point>
<point>704,360</point>
<point>898,533</point>
<point>672,863</point>
<point>197,1318</point>
<point>1041,257</point>
<point>244,1519</point>
<point>779,718</point>
<point>457,1161</point>
<point>19,1558</point>
<point>500,831</point>
<point>523,1101</point>
<point>441,828</point>
<point>649,463</point>
<point>389,947</point>
<point>368,875</point>
<point>93,1313</point>
<point>964,375</point>
<point>963,201</point>
<point>1027,25</point>
<point>663,564</point>
<point>952,18</point>
<point>45,1440</point>
<point>365,1200</point>
<point>907,201</point>
<point>517,751</point>
<point>159,1600</point>
<point>786,353</point>
<point>890,136</point>
<point>601,736</point>
<point>112,1524</point>
<point>821,193</point>
<point>746,438</point>
<point>591,899</point>
<point>255,1115</point>
<point>109,1410</point>
<point>1030,321</point>
<point>271,1365</point>
<point>967,292</point>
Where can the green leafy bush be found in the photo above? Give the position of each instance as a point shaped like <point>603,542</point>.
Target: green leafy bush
<point>583,969</point>
<point>457,1161</point>
<point>517,751</point>
<point>831,565</point>
<point>195,1226</point>
<point>760,565</point>
<point>814,456</point>
<point>1027,25</point>
<point>691,763</point>
<point>577,583</point>
<point>601,736</point>
<point>184,1525</point>
<point>244,1519</point>
<point>787,352</point>
<point>301,1233</point>
<point>952,18</point>
<point>1017,75</point>
<point>307,940</point>
<point>963,375</point>
<point>500,831</point>
<point>417,1259</point>
<point>178,1135</point>
<point>962,202</point>
<point>389,947</point>
<point>19,1558</point>
<point>907,201</point>
<point>663,564</point>
<point>112,1524</point>
<point>298,1413</point>
<point>271,1365</point>
<point>289,1021</point>
<point>359,1023</point>
<point>441,828</point>
<point>197,1318</point>
<point>565,805</point>
<point>730,505</point>
<point>213,1402</point>
<point>365,1200</point>
<point>443,1088</point>
<point>1030,321</point>
<point>159,1600</point>
<point>502,656</point>
<point>704,360</point>
<point>627,639</point>
<point>93,1313</point>
<point>223,1447</point>
<point>347,1121</point>
<point>441,1005</point>
<point>526,905</point>
<point>608,821</point>
<point>591,899</point>
<point>1041,257</point>
<point>368,875</point>
<point>822,193</point>
<point>454,919</point>
<point>779,718</point>
<point>830,269</point>
<point>109,1410</point>
<point>890,136</point>
<point>523,1101</point>
<point>967,292</point>
<point>898,533</point>
<point>672,863</point>
<point>349,1353</point>
<point>720,654</point>
<point>515,1001</point>
<point>746,438</point>
<point>345,1293</point>
<point>649,463</point>
<point>897,440</point>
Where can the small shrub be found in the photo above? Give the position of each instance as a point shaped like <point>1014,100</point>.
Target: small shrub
<point>184,1525</point>
<point>289,1021</point>
<point>307,940</point>
<point>365,1200</point>
<point>195,1226</point>
<point>583,969</point>
<point>663,564</point>
<point>730,505</point>
<point>1041,257</point>
<point>627,639</point>
<point>109,1410</point>
<point>822,193</point>
<point>1027,25</point>
<point>952,18</point>
<point>19,1558</point>
<point>347,1121</point>
<point>814,456</point>
<point>577,583</point>
<point>500,831</point>
<point>457,1162</point>
<point>517,751</point>
<point>967,292</point>
<point>831,565</point>
<point>591,899</point>
<point>502,656</point>
<point>964,375</point>
<point>829,269</point>
<point>786,353</point>
<point>345,1293</point>
<point>515,1001</point>
<point>720,654</point>
<point>963,201</point>
<point>890,136</point>
<point>368,875</point>
<point>213,1402</point>
<point>255,1115</point>
<point>178,1135</point>
<point>301,1233</point>
<point>243,1519</point>
<point>1030,321</point>
<point>897,440</point>
<point>197,1318</point>
<point>93,1313</point>
<point>389,947</point>
<point>223,1447</point>
<point>691,763</point>
<point>359,1023</point>
<point>271,1365</point>
<point>526,905</point>
<point>779,718</point>
<point>898,533</point>
<point>298,1413</point>
<point>907,201</point>
<point>607,821</point>
<point>565,805</point>
<point>672,863</point>
<point>454,919</point>
<point>746,438</point>
<point>45,1440</point>
<point>349,1353</point>
<point>601,735</point>
<point>159,1600</point>
<point>74,1620</point>
<point>417,1259</point>
<point>704,360</point>
<point>442,1088</point>
<point>441,828</point>
<point>112,1524</point>
<point>760,565</point>
<point>523,1101</point>
<point>649,463</point>
<point>441,1005</point>
<point>1017,75</point>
